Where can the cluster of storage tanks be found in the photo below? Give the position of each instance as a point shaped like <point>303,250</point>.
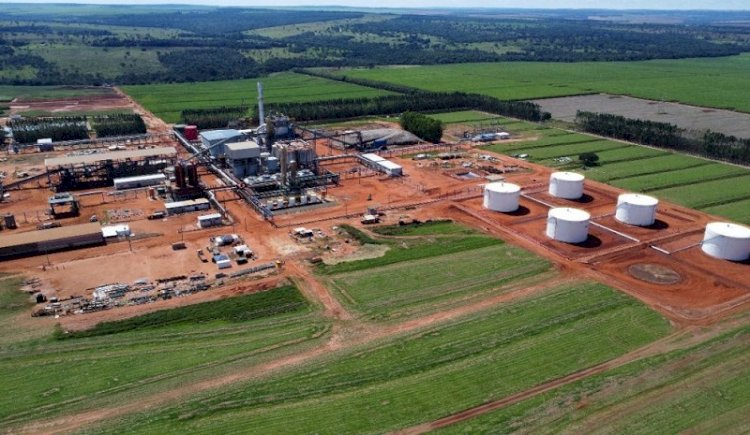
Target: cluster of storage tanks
<point>721,239</point>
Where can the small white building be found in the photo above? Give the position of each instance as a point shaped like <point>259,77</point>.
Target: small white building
<point>139,181</point>
<point>209,220</point>
<point>390,168</point>
<point>111,231</point>
<point>243,251</point>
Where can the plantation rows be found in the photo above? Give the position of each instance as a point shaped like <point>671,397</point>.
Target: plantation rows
<point>59,129</point>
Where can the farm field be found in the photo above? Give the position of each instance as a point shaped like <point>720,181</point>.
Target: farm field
<point>703,389</point>
<point>168,100</point>
<point>398,290</point>
<point>463,116</point>
<point>426,374</point>
<point>45,376</point>
<point>8,93</point>
<point>712,82</point>
<point>684,116</point>
<point>680,177</point>
<point>709,193</point>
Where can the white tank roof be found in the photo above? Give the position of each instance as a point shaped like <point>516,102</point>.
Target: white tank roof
<point>569,214</point>
<point>567,176</point>
<point>729,230</point>
<point>501,187</point>
<point>637,199</point>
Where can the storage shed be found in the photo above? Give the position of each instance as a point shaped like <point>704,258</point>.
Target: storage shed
<point>209,220</point>
<point>187,206</point>
<point>55,239</point>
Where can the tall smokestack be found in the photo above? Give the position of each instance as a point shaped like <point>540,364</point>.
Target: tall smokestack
<point>261,111</point>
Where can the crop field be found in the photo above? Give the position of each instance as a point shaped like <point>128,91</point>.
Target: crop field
<point>681,80</point>
<point>412,249</point>
<point>464,116</point>
<point>8,93</point>
<point>709,193</point>
<point>705,389</point>
<point>736,210</point>
<point>682,115</point>
<point>397,290</point>
<point>680,177</point>
<point>168,100</point>
<point>153,352</point>
<point>427,374</point>
<point>570,150</point>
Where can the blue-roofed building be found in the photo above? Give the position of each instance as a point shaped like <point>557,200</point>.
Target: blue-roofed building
<point>212,137</point>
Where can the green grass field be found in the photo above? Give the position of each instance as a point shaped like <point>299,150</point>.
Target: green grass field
<point>705,389</point>
<point>426,374</point>
<point>709,193</point>
<point>736,210</point>
<point>168,100</point>
<point>8,93</point>
<point>463,116</point>
<point>680,177</point>
<point>713,82</point>
<point>397,290</point>
<point>154,352</point>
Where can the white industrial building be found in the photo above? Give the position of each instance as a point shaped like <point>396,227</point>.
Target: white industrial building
<point>382,165</point>
<point>209,220</point>
<point>569,225</point>
<point>243,158</point>
<point>139,181</point>
<point>566,185</point>
<point>121,230</point>
<point>215,140</point>
<point>503,197</point>
<point>727,241</point>
<point>636,209</point>
<point>187,206</point>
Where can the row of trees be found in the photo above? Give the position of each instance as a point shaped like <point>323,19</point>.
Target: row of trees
<point>417,102</point>
<point>659,134</point>
<point>118,125</point>
<point>29,130</point>
<point>216,117</point>
<point>427,128</point>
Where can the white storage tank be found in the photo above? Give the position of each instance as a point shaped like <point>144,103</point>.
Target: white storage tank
<point>502,196</point>
<point>727,240</point>
<point>567,185</point>
<point>569,225</point>
<point>636,209</point>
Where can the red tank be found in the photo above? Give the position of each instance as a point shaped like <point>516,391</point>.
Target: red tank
<point>191,132</point>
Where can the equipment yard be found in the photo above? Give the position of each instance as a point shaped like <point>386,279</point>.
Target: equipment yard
<point>399,278</point>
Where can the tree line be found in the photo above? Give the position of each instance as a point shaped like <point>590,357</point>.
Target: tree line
<point>419,102</point>
<point>118,125</point>
<point>422,126</point>
<point>29,130</point>
<point>215,117</point>
<point>664,135</point>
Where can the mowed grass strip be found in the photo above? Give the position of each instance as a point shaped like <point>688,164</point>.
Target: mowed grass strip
<point>703,389</point>
<point>708,194</point>
<point>608,172</point>
<point>629,154</point>
<point>394,290</point>
<point>738,210</point>
<point>570,150</point>
<point>424,375</point>
<point>168,100</point>
<point>680,177</point>
<point>46,377</point>
<point>463,116</point>
<point>413,249</point>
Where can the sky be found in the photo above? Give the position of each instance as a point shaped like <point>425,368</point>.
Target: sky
<point>548,4</point>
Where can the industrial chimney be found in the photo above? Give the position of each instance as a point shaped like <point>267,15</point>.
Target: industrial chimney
<point>261,111</point>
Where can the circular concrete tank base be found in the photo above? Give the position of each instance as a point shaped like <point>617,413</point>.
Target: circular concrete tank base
<point>654,273</point>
